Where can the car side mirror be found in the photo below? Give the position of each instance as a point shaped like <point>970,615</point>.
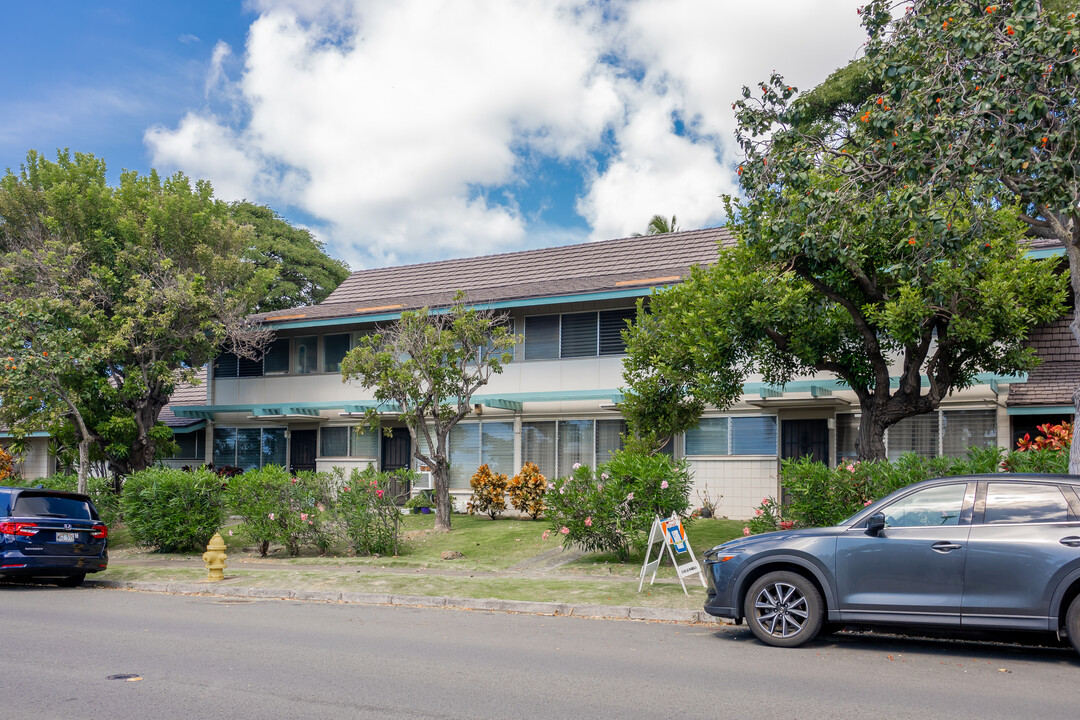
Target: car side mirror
<point>875,524</point>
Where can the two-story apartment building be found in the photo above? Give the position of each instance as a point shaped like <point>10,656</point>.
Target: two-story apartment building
<point>556,404</point>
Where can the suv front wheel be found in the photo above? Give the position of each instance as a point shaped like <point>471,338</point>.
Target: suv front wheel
<point>785,609</point>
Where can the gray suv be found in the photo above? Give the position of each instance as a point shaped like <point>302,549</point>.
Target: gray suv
<point>970,552</point>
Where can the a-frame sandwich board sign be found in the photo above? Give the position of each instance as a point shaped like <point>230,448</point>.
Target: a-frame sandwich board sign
<point>670,532</point>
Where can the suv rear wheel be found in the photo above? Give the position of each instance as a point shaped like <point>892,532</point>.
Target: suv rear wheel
<point>784,609</point>
<point>1072,623</point>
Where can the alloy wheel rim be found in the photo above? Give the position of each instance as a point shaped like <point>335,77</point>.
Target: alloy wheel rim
<point>781,609</point>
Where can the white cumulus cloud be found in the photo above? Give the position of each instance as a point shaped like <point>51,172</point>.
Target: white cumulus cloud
<point>408,129</point>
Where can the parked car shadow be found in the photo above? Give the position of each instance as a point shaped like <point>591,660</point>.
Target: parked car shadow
<point>995,648</point>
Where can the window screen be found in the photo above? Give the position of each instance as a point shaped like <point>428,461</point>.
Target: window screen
<point>612,324</point>
<point>464,454</point>
<point>334,442</point>
<point>334,349</point>
<point>497,446</point>
<point>224,446</point>
<point>274,447</point>
<point>917,434</point>
<point>576,444</point>
<point>225,365</point>
<point>276,359</point>
<point>608,438</point>
<point>541,337</point>
<point>364,444</point>
<point>538,445</point>
<point>710,437</point>
<point>754,435</point>
<point>579,335</point>
<point>962,429</point>
<point>307,352</point>
<point>847,429</point>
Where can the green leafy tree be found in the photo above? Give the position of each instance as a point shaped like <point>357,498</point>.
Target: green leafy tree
<point>959,115</point>
<point>305,274</point>
<point>430,363</point>
<point>111,296</point>
<point>875,305</point>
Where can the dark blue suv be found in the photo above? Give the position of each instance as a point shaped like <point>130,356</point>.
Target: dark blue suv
<point>50,534</point>
<point>975,552</point>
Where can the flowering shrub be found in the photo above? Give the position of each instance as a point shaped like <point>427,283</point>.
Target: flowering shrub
<point>172,510</point>
<point>368,515</point>
<point>489,492</point>
<point>7,466</point>
<point>259,497</point>
<point>1054,437</point>
<point>527,490</point>
<point>613,512</point>
<point>767,518</point>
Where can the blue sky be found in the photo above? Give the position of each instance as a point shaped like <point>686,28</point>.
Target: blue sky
<point>413,130</point>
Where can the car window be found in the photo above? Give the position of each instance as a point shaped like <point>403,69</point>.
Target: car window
<point>51,506</point>
<point>930,507</point>
<point>1024,503</point>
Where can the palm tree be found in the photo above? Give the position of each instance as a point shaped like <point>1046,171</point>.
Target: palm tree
<point>659,225</point>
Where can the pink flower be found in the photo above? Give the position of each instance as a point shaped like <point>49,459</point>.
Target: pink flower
<point>303,517</point>
<point>565,530</point>
<point>868,502</point>
<point>758,512</point>
<point>787,524</point>
<point>346,488</point>
<point>546,535</point>
<point>271,516</point>
<point>577,465</point>
<point>551,486</point>
<point>630,496</point>
<point>765,502</point>
<point>294,481</point>
<point>588,522</point>
<point>379,493</point>
<point>230,533</point>
<point>604,476</point>
<point>599,486</point>
<point>320,507</point>
<point>746,531</point>
<point>310,522</point>
<point>850,468</point>
<point>664,485</point>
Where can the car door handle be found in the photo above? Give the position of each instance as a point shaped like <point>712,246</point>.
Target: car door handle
<point>1071,541</point>
<point>944,546</point>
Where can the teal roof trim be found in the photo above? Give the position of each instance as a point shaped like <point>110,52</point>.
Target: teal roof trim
<point>1042,410</point>
<point>189,428</point>
<point>38,434</point>
<point>1046,253</point>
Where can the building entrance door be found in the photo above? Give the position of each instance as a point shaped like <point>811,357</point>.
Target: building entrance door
<point>302,445</point>
<point>805,438</point>
<point>397,455</point>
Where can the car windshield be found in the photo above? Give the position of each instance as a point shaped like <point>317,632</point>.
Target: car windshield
<point>33,505</point>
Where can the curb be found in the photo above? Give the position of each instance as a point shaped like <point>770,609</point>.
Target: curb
<point>605,612</point>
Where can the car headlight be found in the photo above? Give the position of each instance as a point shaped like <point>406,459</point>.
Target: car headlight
<point>720,554</point>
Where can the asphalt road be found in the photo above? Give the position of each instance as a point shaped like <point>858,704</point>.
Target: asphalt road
<point>199,657</point>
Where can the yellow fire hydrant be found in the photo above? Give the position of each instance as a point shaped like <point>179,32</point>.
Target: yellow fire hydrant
<point>214,557</point>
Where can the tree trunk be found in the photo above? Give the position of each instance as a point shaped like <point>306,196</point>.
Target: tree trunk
<point>84,463</point>
<point>870,443</point>
<point>440,473</point>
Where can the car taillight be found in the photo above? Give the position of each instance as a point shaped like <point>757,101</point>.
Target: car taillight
<point>18,528</point>
<point>99,532</point>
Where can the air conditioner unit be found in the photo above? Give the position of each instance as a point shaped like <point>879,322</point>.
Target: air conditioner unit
<point>423,481</point>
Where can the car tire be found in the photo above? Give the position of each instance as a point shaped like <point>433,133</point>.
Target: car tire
<point>1072,623</point>
<point>71,580</point>
<point>784,609</point>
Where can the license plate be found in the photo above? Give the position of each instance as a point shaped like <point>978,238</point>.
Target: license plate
<point>65,537</point>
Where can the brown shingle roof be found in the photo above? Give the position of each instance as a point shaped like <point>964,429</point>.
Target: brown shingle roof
<point>185,394</point>
<point>567,270</point>
<point>1053,381</point>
